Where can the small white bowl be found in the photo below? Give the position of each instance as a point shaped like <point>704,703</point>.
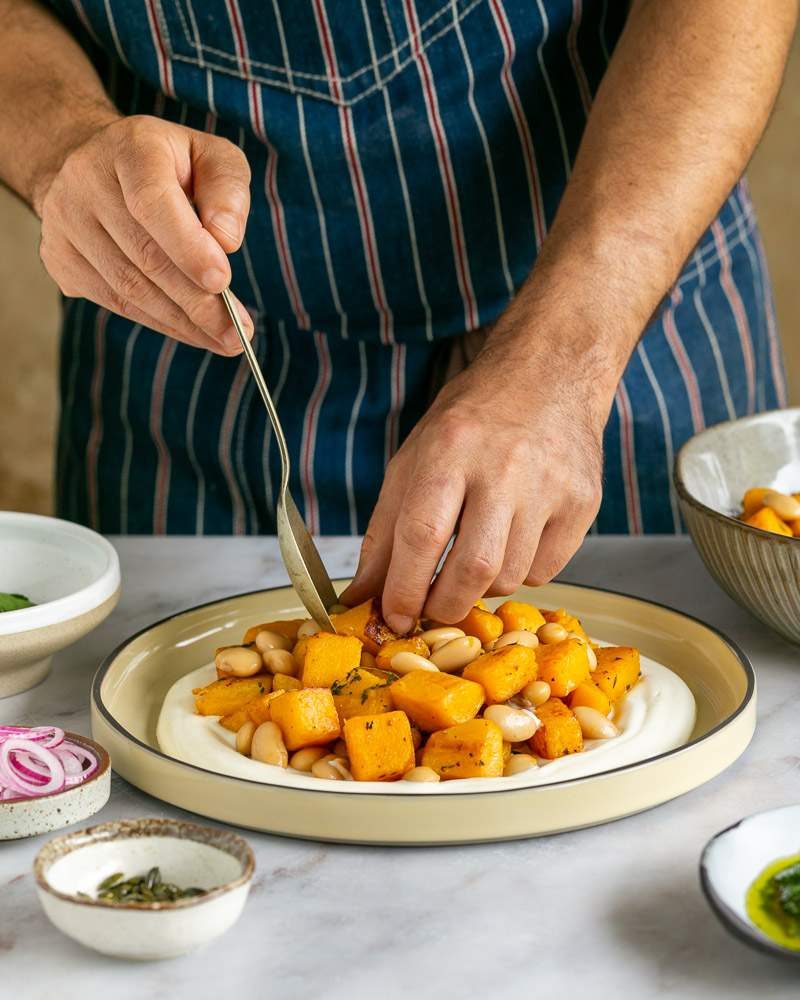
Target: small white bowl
<point>72,576</point>
<point>45,813</point>
<point>187,854</point>
<point>735,857</point>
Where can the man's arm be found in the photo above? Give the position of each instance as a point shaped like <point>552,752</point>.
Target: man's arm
<point>118,226</point>
<point>513,445</point>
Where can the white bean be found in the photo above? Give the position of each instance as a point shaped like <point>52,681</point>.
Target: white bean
<point>421,774</point>
<point>304,760</point>
<point>551,632</point>
<point>519,637</point>
<point>267,640</point>
<point>434,637</point>
<point>280,661</point>
<point>404,662</point>
<point>786,507</point>
<point>268,746</point>
<point>238,661</point>
<point>457,653</point>
<point>516,724</point>
<point>331,768</point>
<point>519,762</point>
<point>594,725</point>
<point>537,693</point>
<point>244,737</point>
<point>309,627</point>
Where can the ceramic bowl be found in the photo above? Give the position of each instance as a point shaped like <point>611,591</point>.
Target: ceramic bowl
<point>187,854</point>
<point>759,569</point>
<point>735,857</point>
<point>72,576</point>
<point>29,817</point>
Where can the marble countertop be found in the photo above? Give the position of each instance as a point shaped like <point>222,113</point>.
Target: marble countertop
<point>610,911</point>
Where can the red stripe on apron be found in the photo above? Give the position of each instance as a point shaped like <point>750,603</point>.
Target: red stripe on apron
<point>682,360</point>
<point>164,466</point>
<point>739,314</point>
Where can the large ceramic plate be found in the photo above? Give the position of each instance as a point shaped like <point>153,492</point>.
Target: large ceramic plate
<point>130,686</point>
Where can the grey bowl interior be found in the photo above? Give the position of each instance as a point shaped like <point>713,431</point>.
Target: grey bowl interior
<point>716,466</point>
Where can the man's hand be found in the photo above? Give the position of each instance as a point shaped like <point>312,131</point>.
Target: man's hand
<point>119,226</point>
<point>511,452</point>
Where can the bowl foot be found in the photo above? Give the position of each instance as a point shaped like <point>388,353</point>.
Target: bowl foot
<point>16,679</point>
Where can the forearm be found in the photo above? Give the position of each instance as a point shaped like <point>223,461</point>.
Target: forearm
<point>675,121</point>
<point>51,98</point>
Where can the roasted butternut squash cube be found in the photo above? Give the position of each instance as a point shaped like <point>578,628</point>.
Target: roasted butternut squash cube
<point>587,693</point>
<point>482,624</point>
<point>504,672</point>
<point>559,732</point>
<point>258,710</point>
<point>519,616</point>
<point>618,669</point>
<point>413,644</point>
<point>568,621</point>
<point>287,628</point>
<point>329,658</point>
<point>435,700</point>
<point>795,526</point>
<point>299,652</point>
<point>564,665</point>
<point>235,720</point>
<point>283,682</point>
<point>768,520</point>
<point>361,693</point>
<point>365,622</point>
<point>307,718</point>
<point>472,749</point>
<point>225,696</point>
<point>380,747</point>
<point>753,500</point>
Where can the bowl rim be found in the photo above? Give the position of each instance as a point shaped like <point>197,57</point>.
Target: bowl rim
<point>144,826</point>
<point>55,798</point>
<point>100,706</point>
<point>74,604</point>
<point>688,497</point>
<point>741,929</point>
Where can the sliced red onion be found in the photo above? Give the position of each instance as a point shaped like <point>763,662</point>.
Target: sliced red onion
<point>39,760</point>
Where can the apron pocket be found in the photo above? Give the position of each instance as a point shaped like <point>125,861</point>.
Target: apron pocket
<point>336,50</point>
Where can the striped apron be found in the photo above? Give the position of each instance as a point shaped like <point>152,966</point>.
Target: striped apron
<point>408,157</point>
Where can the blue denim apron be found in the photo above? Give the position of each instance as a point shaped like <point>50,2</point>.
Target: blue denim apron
<point>408,157</point>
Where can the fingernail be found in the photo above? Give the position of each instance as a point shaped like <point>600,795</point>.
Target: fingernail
<point>214,280</point>
<point>399,623</point>
<point>228,224</point>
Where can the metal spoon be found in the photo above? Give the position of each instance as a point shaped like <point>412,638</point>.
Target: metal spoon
<point>300,555</point>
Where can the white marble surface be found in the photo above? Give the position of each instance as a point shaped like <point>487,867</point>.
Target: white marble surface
<point>608,912</point>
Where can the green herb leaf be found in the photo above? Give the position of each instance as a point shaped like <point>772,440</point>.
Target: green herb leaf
<point>14,602</point>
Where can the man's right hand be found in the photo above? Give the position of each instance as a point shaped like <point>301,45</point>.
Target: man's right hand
<point>139,218</point>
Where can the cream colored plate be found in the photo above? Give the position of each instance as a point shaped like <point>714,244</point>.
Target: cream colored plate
<point>130,686</point>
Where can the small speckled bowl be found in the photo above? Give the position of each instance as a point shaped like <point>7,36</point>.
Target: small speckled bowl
<point>29,817</point>
<point>72,576</point>
<point>759,569</point>
<point>187,854</point>
<point>735,857</point>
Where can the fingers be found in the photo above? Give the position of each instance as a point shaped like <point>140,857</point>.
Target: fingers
<point>148,177</point>
<point>523,539</point>
<point>425,525</point>
<point>560,541</point>
<point>475,559</point>
<point>201,309</point>
<point>221,188</point>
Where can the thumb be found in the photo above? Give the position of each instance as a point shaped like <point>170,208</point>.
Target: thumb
<point>221,188</point>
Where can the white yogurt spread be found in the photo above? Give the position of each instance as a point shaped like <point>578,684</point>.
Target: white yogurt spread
<point>656,716</point>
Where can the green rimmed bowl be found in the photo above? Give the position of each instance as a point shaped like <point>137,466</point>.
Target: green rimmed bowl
<point>759,569</point>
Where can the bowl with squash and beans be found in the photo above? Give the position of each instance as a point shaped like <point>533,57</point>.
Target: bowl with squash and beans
<point>739,489</point>
<point>504,692</point>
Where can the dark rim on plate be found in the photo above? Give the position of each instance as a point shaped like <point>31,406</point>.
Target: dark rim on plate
<point>741,929</point>
<point>211,836</point>
<point>101,707</point>
<point>729,519</point>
